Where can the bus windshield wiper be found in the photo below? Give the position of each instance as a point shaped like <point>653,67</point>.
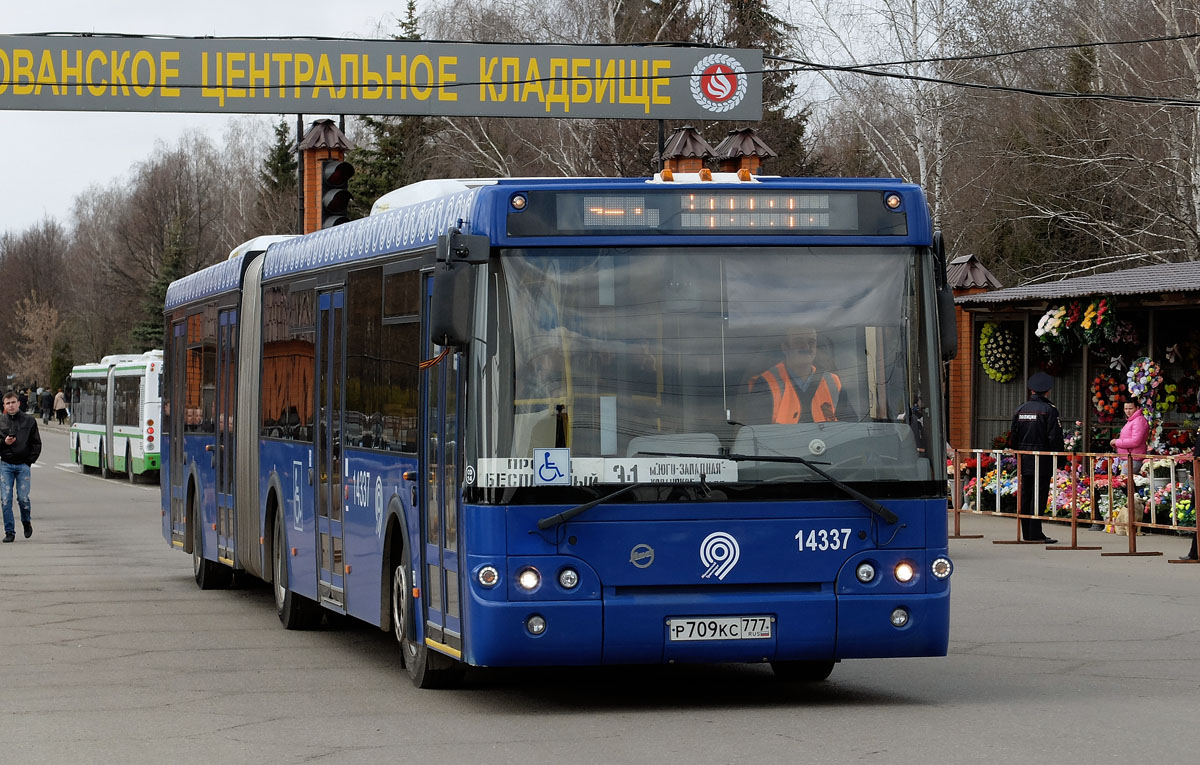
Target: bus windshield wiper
<point>870,504</point>
<point>570,513</point>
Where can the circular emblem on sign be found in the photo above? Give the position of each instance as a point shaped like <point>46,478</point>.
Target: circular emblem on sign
<point>641,555</point>
<point>718,82</point>
<point>469,475</point>
<point>378,505</point>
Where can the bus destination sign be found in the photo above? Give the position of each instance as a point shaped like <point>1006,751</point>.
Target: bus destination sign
<point>719,211</point>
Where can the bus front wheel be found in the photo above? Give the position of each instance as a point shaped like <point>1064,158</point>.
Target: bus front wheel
<point>802,671</point>
<point>296,612</point>
<point>426,668</point>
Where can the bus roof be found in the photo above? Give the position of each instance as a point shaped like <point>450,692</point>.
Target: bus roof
<point>219,277</point>
<point>101,368</point>
<point>125,358</point>
<point>417,214</point>
<point>89,370</point>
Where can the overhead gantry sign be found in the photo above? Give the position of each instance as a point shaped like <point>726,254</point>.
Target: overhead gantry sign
<point>135,74</point>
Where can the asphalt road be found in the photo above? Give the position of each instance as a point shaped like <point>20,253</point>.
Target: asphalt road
<point>109,653</point>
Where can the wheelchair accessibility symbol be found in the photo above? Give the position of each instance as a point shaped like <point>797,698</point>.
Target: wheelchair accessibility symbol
<point>551,467</point>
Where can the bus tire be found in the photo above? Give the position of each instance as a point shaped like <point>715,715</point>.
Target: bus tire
<point>295,612</point>
<point>426,669</point>
<point>803,671</point>
<point>210,575</point>
<point>104,471</point>
<point>132,476</point>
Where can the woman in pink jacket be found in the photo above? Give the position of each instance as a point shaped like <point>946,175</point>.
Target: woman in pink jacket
<point>1133,441</point>
<point>1135,434</point>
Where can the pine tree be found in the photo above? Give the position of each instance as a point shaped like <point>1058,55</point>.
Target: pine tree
<point>276,206</point>
<point>751,24</point>
<point>148,333</point>
<point>61,361</point>
<point>390,152</point>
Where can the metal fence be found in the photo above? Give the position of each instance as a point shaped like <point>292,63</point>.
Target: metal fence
<point>1086,489</point>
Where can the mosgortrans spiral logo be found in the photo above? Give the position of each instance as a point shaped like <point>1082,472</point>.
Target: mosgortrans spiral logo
<point>719,82</point>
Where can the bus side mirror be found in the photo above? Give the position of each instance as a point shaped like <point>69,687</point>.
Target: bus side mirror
<point>947,321</point>
<point>454,286</point>
<point>450,307</point>
<point>456,247</point>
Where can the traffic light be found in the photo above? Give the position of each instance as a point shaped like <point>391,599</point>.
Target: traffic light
<point>335,197</point>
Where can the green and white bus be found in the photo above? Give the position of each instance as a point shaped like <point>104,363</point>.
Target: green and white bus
<point>115,409</point>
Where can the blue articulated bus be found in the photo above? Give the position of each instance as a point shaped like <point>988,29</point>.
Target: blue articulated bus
<point>531,422</point>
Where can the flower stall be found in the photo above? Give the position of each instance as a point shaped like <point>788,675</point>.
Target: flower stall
<point>1094,487</point>
<point>1107,339</point>
<point>1130,335</point>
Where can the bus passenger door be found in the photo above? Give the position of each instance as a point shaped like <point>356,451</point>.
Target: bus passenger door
<point>331,581</point>
<point>225,456</point>
<point>177,466</point>
<point>108,463</point>
<point>440,603</point>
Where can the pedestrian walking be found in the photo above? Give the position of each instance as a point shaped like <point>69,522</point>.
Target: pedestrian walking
<point>47,405</point>
<point>60,407</point>
<point>20,447</point>
<point>1036,428</point>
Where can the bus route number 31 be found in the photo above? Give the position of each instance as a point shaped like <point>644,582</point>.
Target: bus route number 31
<point>823,539</point>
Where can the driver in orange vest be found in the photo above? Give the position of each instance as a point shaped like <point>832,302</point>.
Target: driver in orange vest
<point>798,392</point>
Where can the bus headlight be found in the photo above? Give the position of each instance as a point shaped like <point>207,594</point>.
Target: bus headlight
<point>899,617</point>
<point>865,572</point>
<point>528,578</point>
<point>488,576</point>
<point>535,624</point>
<point>904,572</point>
<point>941,568</point>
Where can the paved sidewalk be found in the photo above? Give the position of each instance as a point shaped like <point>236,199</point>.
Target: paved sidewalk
<point>1004,528</point>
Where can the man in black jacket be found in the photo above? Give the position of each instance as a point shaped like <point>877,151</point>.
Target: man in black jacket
<point>1036,428</point>
<point>20,447</point>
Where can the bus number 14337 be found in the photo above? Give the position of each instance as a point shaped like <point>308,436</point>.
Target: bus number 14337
<point>823,539</point>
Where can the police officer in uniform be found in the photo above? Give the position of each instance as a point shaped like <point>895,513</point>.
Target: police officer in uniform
<point>1035,427</point>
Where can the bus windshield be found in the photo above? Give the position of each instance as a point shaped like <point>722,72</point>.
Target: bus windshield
<point>823,353</point>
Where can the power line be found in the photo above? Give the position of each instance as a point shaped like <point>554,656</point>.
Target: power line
<point>1034,49</point>
<point>865,70</point>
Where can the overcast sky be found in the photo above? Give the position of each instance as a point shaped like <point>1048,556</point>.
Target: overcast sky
<point>50,157</point>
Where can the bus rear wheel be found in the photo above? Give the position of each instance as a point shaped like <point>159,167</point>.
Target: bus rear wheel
<point>295,612</point>
<point>104,471</point>
<point>802,671</point>
<point>426,669</point>
<point>132,476</point>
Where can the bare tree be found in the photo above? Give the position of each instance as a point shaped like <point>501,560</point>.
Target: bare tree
<point>34,332</point>
<point>550,146</point>
<point>909,121</point>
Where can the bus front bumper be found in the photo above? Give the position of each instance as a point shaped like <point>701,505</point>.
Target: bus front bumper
<point>636,628</point>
